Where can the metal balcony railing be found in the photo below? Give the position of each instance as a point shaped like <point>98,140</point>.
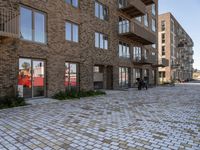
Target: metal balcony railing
<point>9,23</point>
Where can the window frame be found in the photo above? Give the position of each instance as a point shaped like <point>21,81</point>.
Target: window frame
<point>33,11</point>
<point>72,35</point>
<point>71,3</point>
<point>99,40</point>
<point>104,7</point>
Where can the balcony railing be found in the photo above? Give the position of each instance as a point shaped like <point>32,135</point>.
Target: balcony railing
<point>163,62</point>
<point>133,8</point>
<point>136,33</point>
<point>9,23</point>
<point>141,60</point>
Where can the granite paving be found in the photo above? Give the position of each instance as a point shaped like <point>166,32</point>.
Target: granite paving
<point>161,118</point>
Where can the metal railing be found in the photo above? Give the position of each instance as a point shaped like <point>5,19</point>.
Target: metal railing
<point>9,22</point>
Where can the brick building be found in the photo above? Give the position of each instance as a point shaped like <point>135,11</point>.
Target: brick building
<point>175,45</point>
<point>51,45</point>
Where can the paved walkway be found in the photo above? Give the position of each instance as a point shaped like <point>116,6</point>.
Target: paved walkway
<point>160,118</point>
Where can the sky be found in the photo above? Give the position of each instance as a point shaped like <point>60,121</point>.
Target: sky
<point>187,13</point>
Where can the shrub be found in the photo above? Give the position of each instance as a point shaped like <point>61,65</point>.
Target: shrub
<point>72,94</point>
<point>11,101</point>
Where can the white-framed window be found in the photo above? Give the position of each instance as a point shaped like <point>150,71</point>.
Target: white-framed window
<point>124,50</point>
<point>101,11</point>
<point>101,40</point>
<point>122,3</point>
<point>71,32</point>
<point>32,25</point>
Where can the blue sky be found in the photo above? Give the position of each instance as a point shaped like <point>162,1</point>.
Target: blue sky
<point>187,13</point>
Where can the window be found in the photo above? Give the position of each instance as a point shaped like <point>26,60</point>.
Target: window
<point>122,3</point>
<point>137,53</point>
<point>153,9</point>
<point>101,40</point>
<point>123,77</point>
<point>153,25</point>
<point>124,50</point>
<point>139,19</point>
<point>124,25</point>
<point>163,50</point>
<point>32,25</point>
<point>146,72</point>
<point>146,20</point>
<point>145,54</point>
<point>101,11</point>
<point>71,32</point>
<point>72,2</point>
<point>163,37</point>
<point>163,25</point>
<point>71,75</point>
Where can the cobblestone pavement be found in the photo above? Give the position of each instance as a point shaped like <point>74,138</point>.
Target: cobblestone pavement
<point>160,118</point>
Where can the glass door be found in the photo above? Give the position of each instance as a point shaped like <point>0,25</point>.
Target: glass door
<point>31,78</point>
<point>38,78</point>
<point>25,78</point>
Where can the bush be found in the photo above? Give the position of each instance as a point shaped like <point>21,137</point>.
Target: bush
<point>11,101</point>
<point>72,94</point>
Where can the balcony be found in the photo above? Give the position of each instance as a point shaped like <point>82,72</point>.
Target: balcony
<point>163,62</point>
<point>9,25</point>
<point>175,66</point>
<point>191,52</point>
<point>133,8</point>
<point>191,61</point>
<point>142,60</point>
<point>137,33</point>
<point>148,2</point>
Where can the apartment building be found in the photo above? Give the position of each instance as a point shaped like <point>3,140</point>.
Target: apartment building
<point>49,46</point>
<point>176,46</point>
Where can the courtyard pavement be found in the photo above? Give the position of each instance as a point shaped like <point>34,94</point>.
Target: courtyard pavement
<point>161,118</point>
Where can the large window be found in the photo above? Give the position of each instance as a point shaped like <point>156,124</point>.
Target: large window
<point>124,50</point>
<point>124,25</point>
<point>153,9</point>
<point>32,25</point>
<point>71,78</point>
<point>153,25</point>
<point>101,11</point>
<point>72,2</point>
<point>137,53</point>
<point>71,32</point>
<point>101,40</point>
<point>146,20</point>
<point>123,77</point>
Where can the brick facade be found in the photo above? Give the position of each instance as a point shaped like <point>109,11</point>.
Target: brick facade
<point>180,65</point>
<point>57,50</point>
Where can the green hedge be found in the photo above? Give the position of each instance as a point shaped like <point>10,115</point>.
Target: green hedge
<point>73,94</point>
<point>11,101</point>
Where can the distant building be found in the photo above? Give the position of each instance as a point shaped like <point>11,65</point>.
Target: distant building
<point>175,45</point>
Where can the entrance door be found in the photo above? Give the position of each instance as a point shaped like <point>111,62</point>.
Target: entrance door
<point>31,78</point>
<point>38,78</point>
